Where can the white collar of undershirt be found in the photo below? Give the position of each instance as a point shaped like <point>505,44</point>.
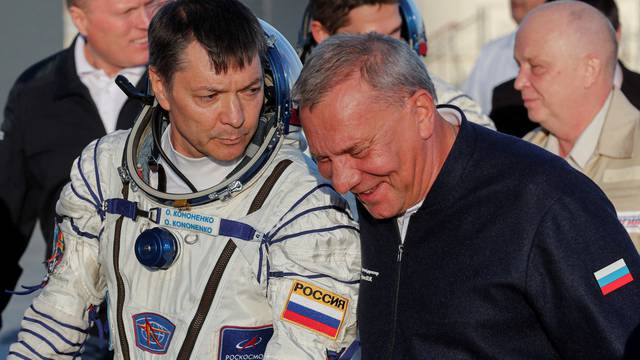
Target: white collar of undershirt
<point>618,77</point>
<point>203,172</point>
<point>403,220</point>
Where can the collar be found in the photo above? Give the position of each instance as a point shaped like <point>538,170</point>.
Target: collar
<point>585,146</point>
<point>618,76</point>
<point>84,68</point>
<point>618,131</point>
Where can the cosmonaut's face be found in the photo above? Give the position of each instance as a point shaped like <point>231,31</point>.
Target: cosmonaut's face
<point>383,19</point>
<point>368,147</point>
<point>115,30</point>
<point>212,114</point>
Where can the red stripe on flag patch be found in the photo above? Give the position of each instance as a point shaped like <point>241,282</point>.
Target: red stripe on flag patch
<point>310,323</point>
<point>617,284</point>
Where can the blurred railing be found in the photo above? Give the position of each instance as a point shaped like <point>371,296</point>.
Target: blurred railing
<point>454,46</point>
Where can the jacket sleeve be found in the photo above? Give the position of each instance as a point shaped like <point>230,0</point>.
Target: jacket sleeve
<point>312,277</point>
<point>447,94</point>
<point>56,323</point>
<point>586,315</point>
<point>18,207</point>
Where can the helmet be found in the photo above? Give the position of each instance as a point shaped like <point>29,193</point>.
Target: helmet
<point>413,30</point>
<point>281,67</point>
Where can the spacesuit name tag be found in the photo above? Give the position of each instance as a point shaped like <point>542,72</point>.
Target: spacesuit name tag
<point>206,224</point>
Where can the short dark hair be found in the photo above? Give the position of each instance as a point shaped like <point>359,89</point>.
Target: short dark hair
<point>390,67</point>
<point>229,32</point>
<point>333,14</point>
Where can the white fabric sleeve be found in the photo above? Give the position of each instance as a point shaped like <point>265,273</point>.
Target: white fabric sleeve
<point>448,94</point>
<point>55,325</point>
<point>313,277</point>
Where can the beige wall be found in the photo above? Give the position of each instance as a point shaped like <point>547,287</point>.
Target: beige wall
<point>457,28</point>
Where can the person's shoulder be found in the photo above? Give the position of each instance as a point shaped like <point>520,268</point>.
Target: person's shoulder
<point>522,160</point>
<point>106,149</point>
<point>42,72</point>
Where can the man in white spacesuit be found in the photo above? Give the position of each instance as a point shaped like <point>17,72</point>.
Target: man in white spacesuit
<point>400,19</point>
<point>206,229</point>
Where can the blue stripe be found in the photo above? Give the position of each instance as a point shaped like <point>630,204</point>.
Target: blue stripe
<point>314,231</point>
<point>80,232</point>
<point>321,186</point>
<point>86,182</point>
<point>312,314</point>
<point>33,350</point>
<point>45,340</point>
<point>80,196</point>
<point>47,316</point>
<point>297,216</point>
<point>18,355</point>
<point>54,331</point>
<point>278,274</point>
<point>613,276</point>
<point>95,165</point>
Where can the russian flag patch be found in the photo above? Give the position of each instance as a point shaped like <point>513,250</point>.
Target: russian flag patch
<point>315,308</point>
<point>613,276</point>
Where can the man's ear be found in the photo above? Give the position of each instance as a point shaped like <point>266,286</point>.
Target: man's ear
<point>318,31</point>
<point>79,19</point>
<point>160,89</point>
<point>592,70</point>
<point>424,109</point>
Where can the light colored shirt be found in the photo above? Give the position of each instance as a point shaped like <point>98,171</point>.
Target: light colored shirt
<point>204,172</point>
<point>107,96</point>
<point>494,65</point>
<point>618,76</point>
<point>585,147</point>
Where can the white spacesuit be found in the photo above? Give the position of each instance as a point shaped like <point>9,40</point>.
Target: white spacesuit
<point>265,265</point>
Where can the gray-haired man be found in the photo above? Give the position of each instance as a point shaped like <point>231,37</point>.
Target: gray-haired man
<point>440,278</point>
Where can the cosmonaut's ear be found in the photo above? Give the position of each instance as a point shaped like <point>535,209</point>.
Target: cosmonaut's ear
<point>160,89</point>
<point>318,31</point>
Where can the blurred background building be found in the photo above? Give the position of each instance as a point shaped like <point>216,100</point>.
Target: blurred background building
<point>33,29</point>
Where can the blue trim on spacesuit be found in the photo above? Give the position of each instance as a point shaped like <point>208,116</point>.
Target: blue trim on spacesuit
<point>297,216</point>
<point>73,189</point>
<point>279,274</point>
<point>47,316</point>
<point>86,183</point>
<point>306,196</point>
<point>52,330</point>
<point>19,355</point>
<point>314,231</point>
<point>46,341</point>
<point>95,165</point>
<point>77,230</point>
<point>33,351</point>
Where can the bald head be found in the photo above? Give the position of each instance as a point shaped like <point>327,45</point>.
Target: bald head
<point>576,26</point>
<point>567,53</point>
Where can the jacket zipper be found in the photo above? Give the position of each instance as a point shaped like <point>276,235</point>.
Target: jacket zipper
<point>395,298</point>
<point>206,301</point>
<point>124,345</point>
